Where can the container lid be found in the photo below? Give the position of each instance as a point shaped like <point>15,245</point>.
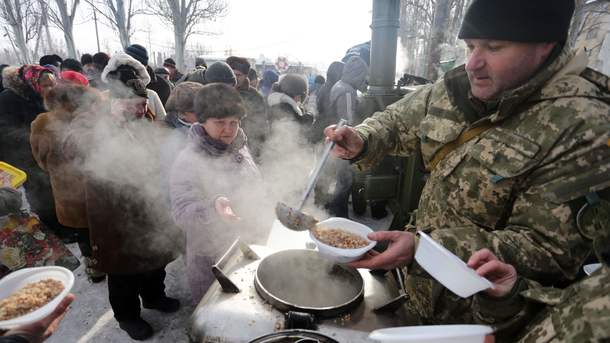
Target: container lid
<point>17,176</point>
<point>303,281</point>
<point>294,336</point>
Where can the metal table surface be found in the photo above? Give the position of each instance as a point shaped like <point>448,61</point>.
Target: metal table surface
<point>243,316</point>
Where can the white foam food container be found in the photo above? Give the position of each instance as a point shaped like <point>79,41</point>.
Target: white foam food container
<point>15,281</point>
<point>591,268</point>
<point>433,334</point>
<point>340,255</point>
<point>448,269</point>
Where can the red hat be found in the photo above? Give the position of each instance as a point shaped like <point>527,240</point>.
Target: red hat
<point>74,77</point>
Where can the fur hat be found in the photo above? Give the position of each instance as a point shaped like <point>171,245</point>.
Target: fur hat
<point>518,20</point>
<point>218,100</point>
<point>239,63</point>
<point>220,72</point>
<point>293,85</point>
<point>182,97</point>
<point>169,62</point>
<point>129,72</point>
<point>138,52</point>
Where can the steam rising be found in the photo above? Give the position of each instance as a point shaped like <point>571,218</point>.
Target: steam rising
<point>137,154</point>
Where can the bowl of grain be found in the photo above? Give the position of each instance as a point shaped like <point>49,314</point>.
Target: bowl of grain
<point>31,294</point>
<point>341,240</point>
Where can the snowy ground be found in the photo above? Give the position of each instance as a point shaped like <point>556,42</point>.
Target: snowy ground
<point>90,318</point>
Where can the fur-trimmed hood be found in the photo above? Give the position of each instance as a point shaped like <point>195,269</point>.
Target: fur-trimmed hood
<point>121,58</point>
<point>12,81</point>
<point>277,98</point>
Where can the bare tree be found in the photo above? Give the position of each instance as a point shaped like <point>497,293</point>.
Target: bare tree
<point>427,29</point>
<point>22,19</point>
<point>62,15</point>
<point>438,36</point>
<point>184,16</point>
<point>120,14</point>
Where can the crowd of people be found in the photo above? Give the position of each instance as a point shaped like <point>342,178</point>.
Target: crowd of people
<point>143,164</point>
<point>139,164</point>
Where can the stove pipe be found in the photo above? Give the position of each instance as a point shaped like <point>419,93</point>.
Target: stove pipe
<point>383,46</point>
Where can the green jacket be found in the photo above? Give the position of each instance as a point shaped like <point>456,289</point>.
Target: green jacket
<point>503,190</point>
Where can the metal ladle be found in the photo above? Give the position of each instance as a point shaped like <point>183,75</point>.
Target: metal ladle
<point>293,218</point>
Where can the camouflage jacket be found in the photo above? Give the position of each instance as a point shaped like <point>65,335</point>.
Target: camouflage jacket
<point>579,313</point>
<point>505,189</point>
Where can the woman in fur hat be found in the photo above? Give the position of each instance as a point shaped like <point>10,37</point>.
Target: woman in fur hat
<point>211,182</point>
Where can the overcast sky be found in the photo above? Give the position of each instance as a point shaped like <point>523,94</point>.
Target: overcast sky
<point>314,31</point>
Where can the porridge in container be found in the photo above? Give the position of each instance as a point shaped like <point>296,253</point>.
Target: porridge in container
<point>30,298</point>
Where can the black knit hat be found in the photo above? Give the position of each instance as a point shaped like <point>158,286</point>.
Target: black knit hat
<point>220,72</point>
<point>138,52</point>
<point>518,20</point>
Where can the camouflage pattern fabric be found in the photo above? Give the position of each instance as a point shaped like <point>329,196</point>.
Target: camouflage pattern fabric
<point>579,313</point>
<point>503,189</point>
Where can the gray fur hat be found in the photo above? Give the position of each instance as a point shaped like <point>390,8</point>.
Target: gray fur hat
<point>182,97</point>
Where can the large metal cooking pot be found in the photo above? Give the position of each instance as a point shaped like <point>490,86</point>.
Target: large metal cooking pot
<point>294,336</point>
<point>300,280</point>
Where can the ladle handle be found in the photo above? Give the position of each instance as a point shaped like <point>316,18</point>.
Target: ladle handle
<point>316,173</point>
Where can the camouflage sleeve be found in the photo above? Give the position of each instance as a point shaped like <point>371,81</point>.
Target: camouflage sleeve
<point>394,130</point>
<point>507,314</point>
<point>540,237</point>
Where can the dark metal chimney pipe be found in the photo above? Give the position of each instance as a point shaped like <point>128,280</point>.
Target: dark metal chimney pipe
<point>383,46</point>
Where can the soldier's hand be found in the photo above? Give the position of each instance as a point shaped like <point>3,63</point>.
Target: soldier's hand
<point>502,275</point>
<point>399,252</point>
<point>349,143</point>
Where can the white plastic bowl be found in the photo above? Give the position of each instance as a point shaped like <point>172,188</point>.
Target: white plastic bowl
<point>340,255</point>
<point>433,334</point>
<point>13,282</point>
<point>448,269</point>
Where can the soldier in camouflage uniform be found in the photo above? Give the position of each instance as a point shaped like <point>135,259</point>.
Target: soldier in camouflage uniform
<point>579,313</point>
<point>503,137</point>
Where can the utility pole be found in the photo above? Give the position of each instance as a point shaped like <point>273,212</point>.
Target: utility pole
<point>97,35</point>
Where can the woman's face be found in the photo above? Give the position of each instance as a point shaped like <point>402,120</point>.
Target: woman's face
<point>222,129</point>
<point>46,83</point>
